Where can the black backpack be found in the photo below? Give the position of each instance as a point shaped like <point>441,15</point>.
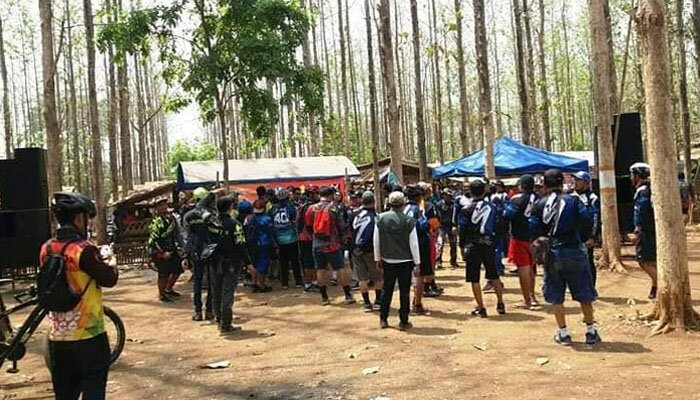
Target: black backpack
<point>53,290</point>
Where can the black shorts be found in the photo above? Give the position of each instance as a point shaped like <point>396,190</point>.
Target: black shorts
<point>306,255</point>
<point>426,266</point>
<point>645,249</point>
<point>166,268</point>
<point>462,238</point>
<point>478,254</point>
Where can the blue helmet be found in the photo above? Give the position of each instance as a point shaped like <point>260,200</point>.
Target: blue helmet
<point>582,176</point>
<point>245,207</point>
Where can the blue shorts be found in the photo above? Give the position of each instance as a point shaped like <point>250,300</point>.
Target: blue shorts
<point>262,263</point>
<point>569,268</point>
<point>334,260</point>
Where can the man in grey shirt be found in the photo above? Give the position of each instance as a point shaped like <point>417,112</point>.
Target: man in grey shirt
<point>397,254</point>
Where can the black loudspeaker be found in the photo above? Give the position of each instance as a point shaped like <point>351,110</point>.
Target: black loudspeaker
<point>629,148</point>
<point>21,235</point>
<point>23,181</point>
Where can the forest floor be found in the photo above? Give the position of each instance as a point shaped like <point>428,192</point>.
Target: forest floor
<point>291,347</point>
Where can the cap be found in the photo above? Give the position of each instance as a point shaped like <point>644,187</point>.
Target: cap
<point>245,207</point>
<point>582,176</point>
<point>447,191</point>
<point>553,178</point>
<point>397,199</point>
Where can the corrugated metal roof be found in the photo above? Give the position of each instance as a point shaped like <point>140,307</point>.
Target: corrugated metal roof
<point>266,169</point>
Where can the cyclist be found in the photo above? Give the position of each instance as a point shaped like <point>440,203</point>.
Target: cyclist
<point>78,346</point>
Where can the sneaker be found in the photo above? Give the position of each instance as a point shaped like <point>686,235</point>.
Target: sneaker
<point>513,271</point>
<point>383,324</point>
<point>431,293</point>
<point>333,282</point>
<point>165,299</point>
<point>481,312</point>
<point>172,293</point>
<point>563,340</point>
<point>265,289</point>
<point>367,307</point>
<point>209,316</point>
<point>454,265</point>
<point>197,316</point>
<point>418,309</point>
<point>652,293</point>
<point>325,301</point>
<point>285,287</point>
<point>349,300</point>
<point>256,289</point>
<point>299,286</point>
<point>229,330</point>
<point>404,326</point>
<point>377,307</point>
<point>534,302</point>
<point>593,338</point>
<point>501,308</point>
<point>488,287</point>
<point>439,289</point>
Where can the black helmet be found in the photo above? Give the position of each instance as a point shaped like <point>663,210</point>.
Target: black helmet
<point>74,203</point>
<point>527,181</point>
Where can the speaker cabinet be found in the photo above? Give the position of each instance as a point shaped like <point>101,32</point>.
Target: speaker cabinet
<point>23,181</point>
<point>21,235</point>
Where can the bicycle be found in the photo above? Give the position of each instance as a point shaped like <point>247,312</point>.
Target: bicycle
<point>13,344</point>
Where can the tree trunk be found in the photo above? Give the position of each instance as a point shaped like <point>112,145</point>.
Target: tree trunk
<point>140,118</point>
<point>386,51</point>
<point>606,157</point>
<point>673,307</point>
<point>526,130</point>
<point>73,108</point>
<point>420,122</point>
<point>97,186</point>
<point>696,41</point>
<point>683,90</point>
<point>53,134</point>
<point>344,82</point>
<point>374,123</point>
<point>306,51</point>
<point>450,110</point>
<point>6,112</point>
<point>544,93</point>
<point>463,101</point>
<point>614,99</point>
<point>485,107</point>
<point>439,139</point>
<point>532,94</point>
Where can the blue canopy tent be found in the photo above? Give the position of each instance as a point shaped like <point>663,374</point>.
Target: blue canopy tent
<point>511,158</point>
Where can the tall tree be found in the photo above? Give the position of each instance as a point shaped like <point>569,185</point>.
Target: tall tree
<point>462,75</point>
<point>683,89</point>
<point>6,112</point>
<point>112,115</point>
<point>311,120</point>
<point>439,138</point>
<point>386,50</point>
<point>485,107</point>
<point>420,122</point>
<point>673,307</point>
<point>544,92</point>
<point>525,127</point>
<point>374,123</point>
<point>696,41</point>
<point>97,184</point>
<point>48,61</point>
<point>73,105</point>
<point>531,93</point>
<point>606,158</point>
<point>344,82</point>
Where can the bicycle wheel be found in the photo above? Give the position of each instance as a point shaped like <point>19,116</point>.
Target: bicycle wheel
<point>116,334</point>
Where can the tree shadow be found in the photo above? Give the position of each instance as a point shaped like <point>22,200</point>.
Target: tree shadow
<point>516,317</point>
<point>620,301</point>
<point>244,334</point>
<point>448,297</point>
<point>454,316</point>
<point>432,331</point>
<point>21,385</point>
<point>449,278</point>
<point>612,347</point>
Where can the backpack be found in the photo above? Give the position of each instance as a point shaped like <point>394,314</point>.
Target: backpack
<point>53,291</point>
<point>323,221</point>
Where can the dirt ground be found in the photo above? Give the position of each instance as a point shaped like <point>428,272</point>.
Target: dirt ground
<point>320,352</point>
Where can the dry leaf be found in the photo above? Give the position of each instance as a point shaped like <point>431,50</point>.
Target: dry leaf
<point>370,370</point>
<point>542,361</point>
<point>267,333</point>
<point>217,365</point>
<point>481,347</point>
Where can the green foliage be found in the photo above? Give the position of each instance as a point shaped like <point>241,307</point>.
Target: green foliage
<point>186,151</point>
<point>236,46</point>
